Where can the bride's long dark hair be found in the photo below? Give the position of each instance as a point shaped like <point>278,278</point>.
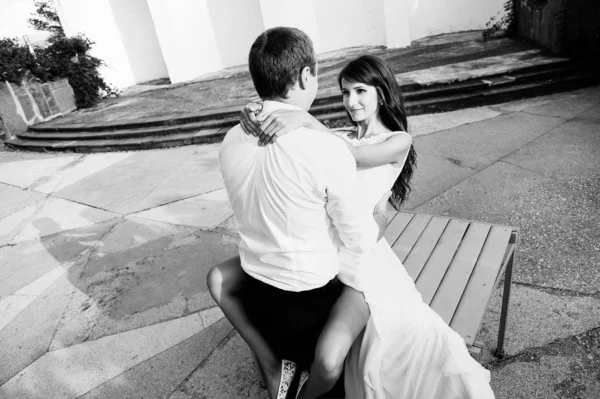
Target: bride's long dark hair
<point>372,71</point>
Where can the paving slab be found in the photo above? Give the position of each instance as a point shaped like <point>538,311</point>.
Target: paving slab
<point>30,172</point>
<point>16,156</point>
<point>571,151</point>
<point>73,371</point>
<point>14,304</point>
<point>84,167</point>
<point>49,216</point>
<point>479,144</point>
<point>228,372</point>
<point>22,264</point>
<point>593,114</point>
<point>27,337</point>
<point>160,375</point>
<point>203,211</point>
<point>15,198</point>
<point>148,179</point>
<point>558,222</point>
<point>537,317</point>
<point>428,180</point>
<point>420,125</point>
<point>144,272</point>
<point>564,369</point>
<point>564,105</point>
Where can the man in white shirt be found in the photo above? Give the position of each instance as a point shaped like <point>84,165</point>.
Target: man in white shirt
<point>296,207</point>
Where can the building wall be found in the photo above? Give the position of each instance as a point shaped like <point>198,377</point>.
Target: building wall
<point>146,39</point>
<point>137,33</point>
<point>349,23</point>
<point>434,17</point>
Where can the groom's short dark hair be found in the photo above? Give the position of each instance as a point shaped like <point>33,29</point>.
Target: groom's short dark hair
<point>276,59</point>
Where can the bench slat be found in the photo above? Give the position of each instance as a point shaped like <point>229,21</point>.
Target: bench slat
<point>396,226</point>
<point>472,306</point>
<point>446,299</point>
<point>410,235</point>
<point>421,251</point>
<point>430,278</point>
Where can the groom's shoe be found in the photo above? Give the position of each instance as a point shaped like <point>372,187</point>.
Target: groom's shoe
<point>288,372</point>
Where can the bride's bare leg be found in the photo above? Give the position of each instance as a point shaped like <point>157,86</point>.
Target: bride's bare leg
<point>347,319</point>
<point>224,282</point>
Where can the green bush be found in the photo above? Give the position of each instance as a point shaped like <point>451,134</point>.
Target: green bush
<point>65,57</point>
<point>15,61</point>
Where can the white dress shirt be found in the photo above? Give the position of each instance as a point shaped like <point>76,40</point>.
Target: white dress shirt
<point>296,205</point>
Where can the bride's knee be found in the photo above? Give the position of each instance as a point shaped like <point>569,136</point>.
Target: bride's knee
<point>329,362</point>
<point>225,278</point>
<point>214,282</point>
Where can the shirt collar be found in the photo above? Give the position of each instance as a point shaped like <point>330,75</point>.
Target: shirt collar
<point>270,106</point>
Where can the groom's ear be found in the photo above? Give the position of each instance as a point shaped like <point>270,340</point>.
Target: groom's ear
<point>303,77</point>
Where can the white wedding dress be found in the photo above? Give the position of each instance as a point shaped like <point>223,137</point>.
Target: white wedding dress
<point>406,350</point>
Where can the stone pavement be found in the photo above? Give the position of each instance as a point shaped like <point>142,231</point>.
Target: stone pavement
<point>103,257</point>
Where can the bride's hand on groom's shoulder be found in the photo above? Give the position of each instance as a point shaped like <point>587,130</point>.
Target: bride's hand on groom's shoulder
<point>267,127</point>
<point>249,118</point>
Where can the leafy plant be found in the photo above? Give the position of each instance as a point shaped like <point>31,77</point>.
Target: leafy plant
<point>15,61</point>
<point>508,21</point>
<point>46,19</point>
<point>65,57</point>
<point>68,57</point>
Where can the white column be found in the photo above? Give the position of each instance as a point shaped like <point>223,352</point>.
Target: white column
<point>136,27</point>
<point>293,13</point>
<point>236,24</point>
<point>397,23</point>
<point>350,23</point>
<point>95,19</point>
<point>186,36</point>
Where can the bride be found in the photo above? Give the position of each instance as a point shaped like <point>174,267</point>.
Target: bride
<point>393,344</point>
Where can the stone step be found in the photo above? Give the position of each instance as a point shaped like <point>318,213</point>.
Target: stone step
<point>434,98</point>
<point>213,117</point>
<point>323,110</point>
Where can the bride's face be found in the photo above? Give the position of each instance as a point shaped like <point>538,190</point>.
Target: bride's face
<point>360,100</point>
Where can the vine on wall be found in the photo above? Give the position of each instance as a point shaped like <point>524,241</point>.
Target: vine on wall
<point>506,21</point>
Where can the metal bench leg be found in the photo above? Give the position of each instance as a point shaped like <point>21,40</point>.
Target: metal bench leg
<point>505,301</point>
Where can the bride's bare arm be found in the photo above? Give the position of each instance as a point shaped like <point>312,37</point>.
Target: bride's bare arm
<point>392,150</point>
<point>280,122</point>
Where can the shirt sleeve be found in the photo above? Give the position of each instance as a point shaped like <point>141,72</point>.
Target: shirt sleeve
<point>356,227</point>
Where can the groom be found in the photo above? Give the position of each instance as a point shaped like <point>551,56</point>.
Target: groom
<point>296,205</point>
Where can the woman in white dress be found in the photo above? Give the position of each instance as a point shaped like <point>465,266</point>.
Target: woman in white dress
<point>394,345</point>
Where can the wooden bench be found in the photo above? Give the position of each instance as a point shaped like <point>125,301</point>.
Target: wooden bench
<point>456,265</point>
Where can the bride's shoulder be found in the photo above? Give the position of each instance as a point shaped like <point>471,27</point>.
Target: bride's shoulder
<point>399,134</point>
<point>346,133</point>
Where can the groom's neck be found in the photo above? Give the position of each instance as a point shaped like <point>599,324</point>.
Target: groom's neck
<point>296,100</point>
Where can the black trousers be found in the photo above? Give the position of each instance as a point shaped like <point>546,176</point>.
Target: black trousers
<point>291,322</point>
